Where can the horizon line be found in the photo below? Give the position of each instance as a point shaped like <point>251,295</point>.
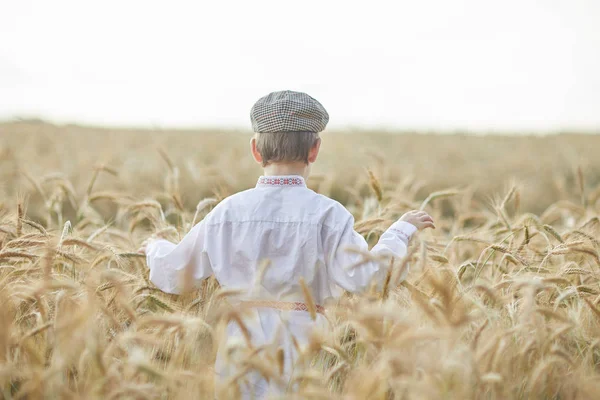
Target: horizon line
<point>334,129</point>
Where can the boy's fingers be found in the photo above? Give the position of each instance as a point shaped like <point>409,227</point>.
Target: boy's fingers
<point>427,218</point>
<point>429,225</point>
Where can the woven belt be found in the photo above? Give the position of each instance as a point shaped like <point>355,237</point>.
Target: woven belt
<point>283,305</point>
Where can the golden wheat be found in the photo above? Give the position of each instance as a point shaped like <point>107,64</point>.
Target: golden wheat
<point>502,300</point>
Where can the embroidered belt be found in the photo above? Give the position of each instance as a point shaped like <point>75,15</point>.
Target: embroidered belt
<point>283,305</point>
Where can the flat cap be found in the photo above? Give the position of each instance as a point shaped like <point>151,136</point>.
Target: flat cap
<point>288,111</point>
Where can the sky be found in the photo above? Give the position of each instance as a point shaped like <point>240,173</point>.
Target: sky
<point>478,65</point>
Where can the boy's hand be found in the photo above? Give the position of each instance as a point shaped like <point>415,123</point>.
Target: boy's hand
<point>420,219</point>
<point>144,246</point>
<point>142,249</point>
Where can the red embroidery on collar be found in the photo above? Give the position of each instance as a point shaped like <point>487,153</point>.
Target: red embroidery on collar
<point>283,181</point>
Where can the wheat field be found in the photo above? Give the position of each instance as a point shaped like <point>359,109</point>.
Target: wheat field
<point>502,300</point>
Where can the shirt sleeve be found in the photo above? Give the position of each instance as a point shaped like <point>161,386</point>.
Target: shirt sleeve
<point>167,261</point>
<point>350,263</point>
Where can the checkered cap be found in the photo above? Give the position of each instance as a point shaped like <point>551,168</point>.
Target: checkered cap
<point>288,111</point>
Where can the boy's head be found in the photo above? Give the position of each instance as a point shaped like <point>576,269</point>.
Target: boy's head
<point>287,126</point>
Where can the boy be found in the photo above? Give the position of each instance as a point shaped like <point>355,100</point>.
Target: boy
<point>302,234</point>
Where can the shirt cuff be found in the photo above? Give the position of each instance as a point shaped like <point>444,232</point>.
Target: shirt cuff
<point>404,230</point>
<point>152,248</point>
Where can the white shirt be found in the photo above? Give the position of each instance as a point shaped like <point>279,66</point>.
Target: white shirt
<point>302,233</point>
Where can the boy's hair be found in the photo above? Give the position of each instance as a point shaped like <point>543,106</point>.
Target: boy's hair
<point>285,146</point>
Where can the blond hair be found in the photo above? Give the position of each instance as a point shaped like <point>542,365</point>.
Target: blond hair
<point>285,146</point>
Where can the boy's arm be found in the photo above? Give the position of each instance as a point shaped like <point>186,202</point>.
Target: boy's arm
<point>167,261</point>
<point>351,269</point>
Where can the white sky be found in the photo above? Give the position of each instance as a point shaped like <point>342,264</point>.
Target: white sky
<point>427,64</point>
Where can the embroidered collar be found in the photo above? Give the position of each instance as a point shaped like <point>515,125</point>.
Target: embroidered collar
<point>293,180</point>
